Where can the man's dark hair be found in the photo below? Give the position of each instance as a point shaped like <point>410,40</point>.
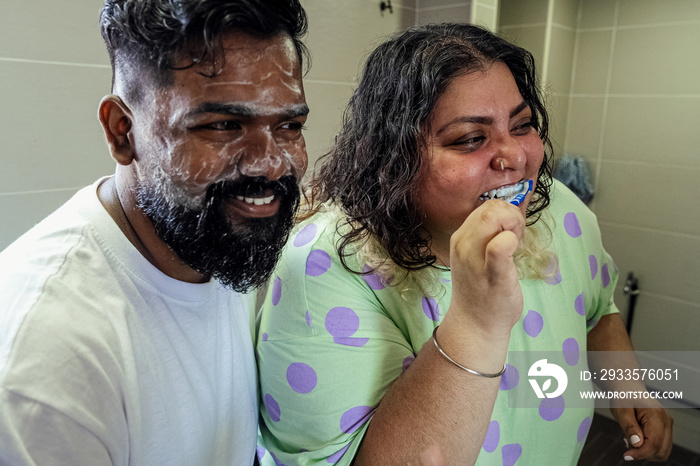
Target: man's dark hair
<point>374,167</point>
<point>150,36</point>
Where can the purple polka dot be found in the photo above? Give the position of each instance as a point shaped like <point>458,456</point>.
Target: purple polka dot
<point>583,430</point>
<point>261,453</point>
<point>305,235</point>
<point>407,362</point>
<point>353,418</point>
<point>276,291</point>
<point>605,275</point>
<point>493,435</point>
<point>594,266</point>
<point>373,280</point>
<point>308,319</point>
<point>336,457</point>
<point>430,308</point>
<point>342,322</point>
<point>511,453</point>
<point>272,407</point>
<point>350,341</point>
<point>570,349</point>
<point>277,462</point>
<point>317,263</point>
<point>510,378</point>
<point>551,409</point>
<point>580,305</point>
<point>301,377</point>
<point>265,336</point>
<point>533,323</point>
<point>444,280</point>
<point>571,225</point>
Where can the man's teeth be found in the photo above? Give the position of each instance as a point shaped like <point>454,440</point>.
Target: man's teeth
<point>256,200</point>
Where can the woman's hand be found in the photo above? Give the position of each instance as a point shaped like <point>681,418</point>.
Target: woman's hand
<point>485,289</point>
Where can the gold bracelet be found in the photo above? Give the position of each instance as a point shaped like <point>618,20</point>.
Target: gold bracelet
<point>471,371</point>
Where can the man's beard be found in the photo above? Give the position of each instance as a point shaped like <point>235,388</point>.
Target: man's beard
<point>240,252</point>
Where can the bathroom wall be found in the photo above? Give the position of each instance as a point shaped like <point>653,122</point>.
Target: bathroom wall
<point>623,87</point>
<point>482,12</point>
<point>634,113</point>
<point>548,30</point>
<point>54,71</point>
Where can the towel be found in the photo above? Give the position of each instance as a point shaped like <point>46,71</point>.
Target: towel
<point>573,172</point>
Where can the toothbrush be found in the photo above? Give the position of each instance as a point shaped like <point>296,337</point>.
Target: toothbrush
<point>519,198</point>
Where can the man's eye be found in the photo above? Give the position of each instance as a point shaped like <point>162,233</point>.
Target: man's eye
<point>294,126</point>
<point>223,125</point>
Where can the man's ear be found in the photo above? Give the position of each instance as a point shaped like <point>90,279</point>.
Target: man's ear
<point>116,117</point>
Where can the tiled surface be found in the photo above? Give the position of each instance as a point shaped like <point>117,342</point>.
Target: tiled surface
<point>23,211</point>
<point>458,13</point>
<point>675,66</point>
<point>530,38</point>
<point>341,35</point>
<point>327,102</point>
<point>656,317</point>
<point>593,56</point>
<point>561,59</point>
<point>656,129</point>
<point>584,127</point>
<point>638,194</point>
<point>65,31</point>
<point>516,12</point>
<point>666,264</point>
<point>635,12</point>
<point>50,136</point>
<point>597,13</point>
<point>565,12</point>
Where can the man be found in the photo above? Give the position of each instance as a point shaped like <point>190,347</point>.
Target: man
<point>125,333</point>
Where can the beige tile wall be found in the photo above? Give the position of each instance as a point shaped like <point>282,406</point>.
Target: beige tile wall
<point>634,112</point>
<point>547,28</point>
<point>623,79</point>
<point>436,11</point>
<point>54,71</point>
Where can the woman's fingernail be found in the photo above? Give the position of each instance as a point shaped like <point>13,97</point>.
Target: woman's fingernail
<point>627,444</point>
<point>635,439</point>
<point>629,458</point>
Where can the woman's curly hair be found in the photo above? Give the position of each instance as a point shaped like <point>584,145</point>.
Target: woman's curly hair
<point>373,169</point>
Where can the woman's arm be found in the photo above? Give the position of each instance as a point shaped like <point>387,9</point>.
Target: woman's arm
<point>649,430</point>
<point>435,404</point>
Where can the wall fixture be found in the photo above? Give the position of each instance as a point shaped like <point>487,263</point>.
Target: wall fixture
<point>385,6</point>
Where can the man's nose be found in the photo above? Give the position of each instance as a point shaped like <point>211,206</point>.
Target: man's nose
<point>262,156</point>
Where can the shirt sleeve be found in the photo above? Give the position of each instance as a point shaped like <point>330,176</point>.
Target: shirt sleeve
<point>581,247</point>
<point>327,353</point>
<point>32,433</point>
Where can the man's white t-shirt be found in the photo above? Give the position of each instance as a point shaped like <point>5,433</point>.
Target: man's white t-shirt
<point>106,360</point>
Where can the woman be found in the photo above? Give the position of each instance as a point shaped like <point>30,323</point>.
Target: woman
<point>406,245</point>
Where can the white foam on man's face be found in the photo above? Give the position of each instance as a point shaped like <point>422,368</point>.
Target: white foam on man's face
<point>183,158</point>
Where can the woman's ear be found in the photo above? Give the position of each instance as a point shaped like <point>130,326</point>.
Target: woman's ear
<point>116,117</point>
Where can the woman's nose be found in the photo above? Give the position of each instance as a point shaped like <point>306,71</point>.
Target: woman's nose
<point>508,154</point>
<point>263,156</point>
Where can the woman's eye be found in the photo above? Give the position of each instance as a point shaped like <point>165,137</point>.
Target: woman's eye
<point>470,142</point>
<point>523,128</point>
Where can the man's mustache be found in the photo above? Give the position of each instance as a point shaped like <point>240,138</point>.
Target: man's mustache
<point>253,186</point>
